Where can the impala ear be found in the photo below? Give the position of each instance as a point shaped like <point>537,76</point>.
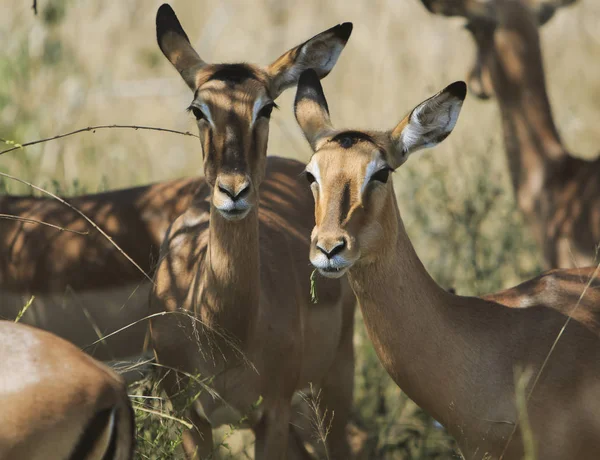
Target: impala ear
<point>310,108</point>
<point>429,123</point>
<point>175,45</point>
<point>320,53</point>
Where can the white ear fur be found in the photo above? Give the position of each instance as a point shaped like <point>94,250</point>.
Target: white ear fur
<point>319,53</point>
<point>430,122</point>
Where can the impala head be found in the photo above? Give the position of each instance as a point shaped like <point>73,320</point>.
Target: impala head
<point>483,16</point>
<point>350,170</point>
<point>232,104</point>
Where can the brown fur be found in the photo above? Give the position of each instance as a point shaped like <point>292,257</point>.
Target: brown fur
<point>50,392</point>
<point>561,290</point>
<point>457,357</point>
<point>233,273</point>
<point>82,281</point>
<point>558,193</point>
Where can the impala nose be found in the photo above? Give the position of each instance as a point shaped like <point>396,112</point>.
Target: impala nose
<point>331,248</point>
<point>234,191</point>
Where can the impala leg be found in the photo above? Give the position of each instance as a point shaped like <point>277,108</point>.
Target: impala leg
<point>296,449</point>
<point>272,433</point>
<point>337,391</point>
<point>198,441</point>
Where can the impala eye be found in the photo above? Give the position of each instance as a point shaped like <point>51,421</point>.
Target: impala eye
<point>310,178</point>
<point>381,176</point>
<point>197,113</point>
<point>266,111</point>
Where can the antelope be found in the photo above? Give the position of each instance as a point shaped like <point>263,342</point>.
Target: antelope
<point>559,194</point>
<point>83,287</point>
<point>457,357</point>
<point>232,272</point>
<point>58,403</point>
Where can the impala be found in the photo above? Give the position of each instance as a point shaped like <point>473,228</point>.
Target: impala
<point>57,403</point>
<point>559,194</point>
<point>84,288</point>
<point>233,273</point>
<point>456,357</point>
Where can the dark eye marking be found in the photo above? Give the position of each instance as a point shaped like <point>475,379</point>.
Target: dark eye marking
<point>199,114</point>
<point>310,178</point>
<point>347,139</point>
<point>266,111</point>
<point>381,176</point>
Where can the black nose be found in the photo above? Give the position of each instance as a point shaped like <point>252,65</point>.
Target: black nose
<point>234,195</point>
<point>336,248</point>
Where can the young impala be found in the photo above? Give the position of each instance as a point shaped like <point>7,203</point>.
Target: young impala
<point>57,403</point>
<point>457,357</point>
<point>233,273</point>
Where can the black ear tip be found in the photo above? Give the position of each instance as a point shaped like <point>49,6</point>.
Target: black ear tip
<point>309,77</point>
<point>343,31</point>
<point>166,21</point>
<point>164,13</point>
<point>458,89</point>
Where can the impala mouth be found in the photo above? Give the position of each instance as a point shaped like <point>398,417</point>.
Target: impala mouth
<point>234,210</point>
<point>332,272</point>
<point>336,267</point>
<point>234,213</point>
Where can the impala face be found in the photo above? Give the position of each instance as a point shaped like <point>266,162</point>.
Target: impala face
<point>349,177</point>
<point>349,174</point>
<point>232,104</point>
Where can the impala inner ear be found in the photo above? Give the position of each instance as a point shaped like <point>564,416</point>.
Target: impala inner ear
<point>310,108</point>
<point>429,123</point>
<point>175,45</point>
<point>319,53</point>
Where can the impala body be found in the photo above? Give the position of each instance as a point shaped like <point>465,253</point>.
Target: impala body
<point>58,403</point>
<point>559,194</point>
<point>233,275</point>
<point>84,287</point>
<point>456,357</point>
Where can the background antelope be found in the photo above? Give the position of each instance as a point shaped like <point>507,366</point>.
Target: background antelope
<point>84,287</point>
<point>232,270</point>
<point>57,403</point>
<point>455,356</point>
<point>558,192</point>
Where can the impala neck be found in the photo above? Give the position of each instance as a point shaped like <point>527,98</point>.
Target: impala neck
<point>531,139</point>
<point>230,298</point>
<point>416,332</point>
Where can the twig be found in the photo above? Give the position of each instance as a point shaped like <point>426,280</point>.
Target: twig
<point>110,240</point>
<point>34,7</point>
<point>34,221</point>
<point>189,426</point>
<point>93,129</point>
<point>24,309</point>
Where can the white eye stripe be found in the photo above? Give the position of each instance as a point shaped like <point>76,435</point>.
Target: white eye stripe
<point>374,166</point>
<point>258,105</point>
<point>206,111</point>
<point>370,170</point>
<point>313,168</point>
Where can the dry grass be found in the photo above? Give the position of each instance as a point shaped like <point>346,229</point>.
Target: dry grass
<point>94,62</point>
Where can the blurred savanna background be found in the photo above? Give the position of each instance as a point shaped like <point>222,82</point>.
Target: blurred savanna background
<point>90,62</point>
